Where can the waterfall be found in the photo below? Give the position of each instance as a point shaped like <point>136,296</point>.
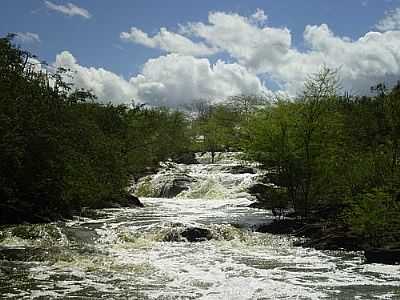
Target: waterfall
<point>194,243</point>
<point>227,178</point>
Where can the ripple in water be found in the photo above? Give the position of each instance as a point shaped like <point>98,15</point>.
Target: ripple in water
<point>123,255</point>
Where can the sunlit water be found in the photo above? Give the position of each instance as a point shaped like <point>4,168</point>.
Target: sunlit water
<point>123,255</point>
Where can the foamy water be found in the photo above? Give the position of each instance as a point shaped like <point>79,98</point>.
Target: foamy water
<point>124,255</point>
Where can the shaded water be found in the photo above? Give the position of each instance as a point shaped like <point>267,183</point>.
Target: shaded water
<point>123,255</point>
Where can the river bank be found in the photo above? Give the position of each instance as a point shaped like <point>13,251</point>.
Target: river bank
<point>198,244</point>
<point>332,236</point>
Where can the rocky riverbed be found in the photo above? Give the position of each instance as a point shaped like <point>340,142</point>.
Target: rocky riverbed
<point>199,244</point>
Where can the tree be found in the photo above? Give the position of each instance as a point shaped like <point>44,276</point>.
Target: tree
<point>313,123</point>
<point>216,128</point>
<point>62,151</point>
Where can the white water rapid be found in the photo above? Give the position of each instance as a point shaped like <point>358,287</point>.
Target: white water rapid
<point>139,253</point>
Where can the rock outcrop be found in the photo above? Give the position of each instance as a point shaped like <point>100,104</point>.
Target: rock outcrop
<point>186,158</point>
<point>173,186</point>
<point>239,169</point>
<point>133,201</point>
<point>190,234</point>
<point>164,185</point>
<point>196,234</point>
<point>280,227</point>
<point>383,256</point>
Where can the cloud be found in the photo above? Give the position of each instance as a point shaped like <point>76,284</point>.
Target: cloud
<point>258,48</point>
<point>391,21</point>
<point>168,41</point>
<point>69,9</point>
<point>106,85</point>
<point>169,80</point>
<point>256,51</point>
<point>176,79</point>
<point>267,51</point>
<point>371,59</point>
<point>27,37</point>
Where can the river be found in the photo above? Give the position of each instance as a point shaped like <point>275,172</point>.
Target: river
<point>124,253</point>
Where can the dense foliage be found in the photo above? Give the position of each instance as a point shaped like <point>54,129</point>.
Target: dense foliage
<point>326,154</point>
<point>334,155</point>
<point>60,151</point>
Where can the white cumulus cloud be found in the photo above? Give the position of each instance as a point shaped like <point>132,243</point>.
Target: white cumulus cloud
<point>373,58</point>
<point>69,9</point>
<point>265,50</point>
<point>175,79</point>
<point>256,50</point>
<point>169,80</point>
<point>168,41</point>
<point>106,85</point>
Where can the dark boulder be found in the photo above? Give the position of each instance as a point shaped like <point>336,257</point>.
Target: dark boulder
<point>190,234</point>
<point>383,256</point>
<point>259,188</point>
<point>268,196</point>
<point>310,231</point>
<point>186,158</point>
<point>323,237</point>
<point>339,241</point>
<point>124,200</point>
<point>280,227</point>
<point>26,253</point>
<point>259,204</point>
<point>173,236</point>
<point>238,169</point>
<point>262,193</point>
<point>196,234</point>
<point>175,185</point>
<point>133,201</point>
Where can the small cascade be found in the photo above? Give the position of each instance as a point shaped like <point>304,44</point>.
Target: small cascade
<point>191,240</point>
<point>227,177</point>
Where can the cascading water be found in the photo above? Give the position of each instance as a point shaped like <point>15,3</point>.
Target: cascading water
<point>143,254</point>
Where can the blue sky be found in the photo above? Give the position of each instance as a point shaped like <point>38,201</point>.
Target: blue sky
<point>91,34</point>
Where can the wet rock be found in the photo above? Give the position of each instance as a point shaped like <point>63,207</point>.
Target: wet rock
<point>123,200</point>
<point>23,254</point>
<point>173,236</point>
<point>259,188</point>
<point>262,193</point>
<point>190,234</point>
<point>259,204</point>
<point>323,236</point>
<point>335,241</point>
<point>90,213</point>
<point>81,234</point>
<point>383,256</point>
<point>269,197</point>
<point>310,231</point>
<point>134,201</point>
<point>238,169</point>
<point>174,185</point>
<point>196,234</point>
<point>186,158</point>
<point>164,185</point>
<point>280,227</point>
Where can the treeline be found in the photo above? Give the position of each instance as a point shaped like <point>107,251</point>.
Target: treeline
<point>60,151</point>
<point>223,127</point>
<point>333,156</point>
<point>328,156</point>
